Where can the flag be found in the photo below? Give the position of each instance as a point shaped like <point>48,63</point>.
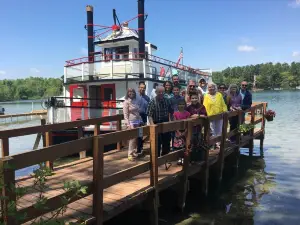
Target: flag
<point>180,57</point>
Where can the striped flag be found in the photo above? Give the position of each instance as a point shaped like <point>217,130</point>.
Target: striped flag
<point>180,57</point>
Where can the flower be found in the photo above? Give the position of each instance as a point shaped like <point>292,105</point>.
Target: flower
<point>270,113</point>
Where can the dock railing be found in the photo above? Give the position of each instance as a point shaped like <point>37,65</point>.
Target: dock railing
<point>96,144</point>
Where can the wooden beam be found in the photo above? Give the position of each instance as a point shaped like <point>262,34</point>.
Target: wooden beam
<point>82,154</point>
<point>8,193</point>
<point>51,153</point>
<point>114,137</point>
<point>154,172</point>
<point>221,157</point>
<point>119,128</point>
<point>5,147</point>
<point>60,126</point>
<point>206,166</point>
<point>251,142</point>
<point>126,174</point>
<point>98,169</point>
<point>171,126</point>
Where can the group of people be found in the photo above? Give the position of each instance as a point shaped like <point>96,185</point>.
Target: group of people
<point>170,102</point>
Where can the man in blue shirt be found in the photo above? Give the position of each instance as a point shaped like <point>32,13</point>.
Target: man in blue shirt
<point>246,96</point>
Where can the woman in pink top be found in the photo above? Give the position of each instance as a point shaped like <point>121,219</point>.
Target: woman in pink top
<point>180,139</point>
<point>131,110</point>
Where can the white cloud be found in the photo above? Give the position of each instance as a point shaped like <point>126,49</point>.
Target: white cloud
<point>2,72</point>
<point>34,70</point>
<point>296,54</point>
<point>294,4</point>
<point>245,48</point>
<point>84,51</point>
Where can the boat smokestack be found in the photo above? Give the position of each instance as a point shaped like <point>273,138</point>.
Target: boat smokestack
<point>90,32</point>
<point>141,26</point>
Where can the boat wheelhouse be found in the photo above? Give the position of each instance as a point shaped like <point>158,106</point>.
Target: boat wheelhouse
<point>95,86</point>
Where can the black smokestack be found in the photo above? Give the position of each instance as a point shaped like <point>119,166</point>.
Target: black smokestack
<point>141,25</point>
<point>90,32</point>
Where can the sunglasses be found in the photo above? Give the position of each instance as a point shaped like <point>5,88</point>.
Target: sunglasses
<point>192,86</point>
<point>222,88</point>
<point>244,85</point>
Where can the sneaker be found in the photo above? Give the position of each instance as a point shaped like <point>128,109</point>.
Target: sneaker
<point>131,158</point>
<point>180,162</point>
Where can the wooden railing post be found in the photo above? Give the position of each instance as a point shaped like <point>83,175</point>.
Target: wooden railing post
<point>49,142</point>
<point>186,161</point>
<point>119,128</point>
<point>98,167</point>
<point>238,140</point>
<point>206,166</point>
<point>9,200</point>
<point>97,129</point>
<point>263,123</point>
<point>222,147</point>
<point>39,136</point>
<point>251,142</point>
<point>82,154</point>
<point>5,147</point>
<point>154,202</point>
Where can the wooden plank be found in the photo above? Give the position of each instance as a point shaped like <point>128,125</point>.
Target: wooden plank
<point>232,133</point>
<point>126,174</point>
<point>82,154</point>
<point>154,202</point>
<point>49,142</point>
<point>258,121</point>
<point>51,153</point>
<point>206,167</point>
<point>232,113</point>
<point>114,137</point>
<point>52,204</point>
<point>119,128</point>
<point>251,143</point>
<point>214,140</point>
<point>169,157</point>
<point>222,148</point>
<point>5,147</point>
<point>98,168</point>
<point>199,121</point>
<point>171,126</point>
<point>215,117</point>
<point>8,177</point>
<point>59,126</point>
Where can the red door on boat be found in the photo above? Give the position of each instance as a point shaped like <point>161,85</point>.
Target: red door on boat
<point>108,98</point>
<point>79,102</point>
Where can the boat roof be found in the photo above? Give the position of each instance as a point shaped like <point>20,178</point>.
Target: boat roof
<point>122,35</point>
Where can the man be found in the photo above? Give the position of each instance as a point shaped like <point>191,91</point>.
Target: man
<point>203,86</point>
<point>153,92</point>
<point>175,80</point>
<point>143,111</point>
<point>159,111</point>
<point>246,96</point>
<point>174,100</point>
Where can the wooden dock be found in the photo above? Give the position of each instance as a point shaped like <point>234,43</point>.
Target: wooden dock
<point>114,183</point>
<point>9,118</point>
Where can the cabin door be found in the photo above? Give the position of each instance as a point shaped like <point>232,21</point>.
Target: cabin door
<point>108,98</point>
<point>79,102</point>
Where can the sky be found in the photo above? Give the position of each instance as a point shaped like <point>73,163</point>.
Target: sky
<point>38,36</point>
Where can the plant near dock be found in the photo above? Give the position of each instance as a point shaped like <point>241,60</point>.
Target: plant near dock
<point>244,128</point>
<point>40,177</point>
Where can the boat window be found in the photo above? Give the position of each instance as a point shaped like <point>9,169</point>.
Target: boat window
<point>121,52</point>
<point>77,94</point>
<point>108,94</point>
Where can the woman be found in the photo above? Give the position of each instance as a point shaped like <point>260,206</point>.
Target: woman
<point>234,101</point>
<point>214,104</point>
<point>168,89</point>
<point>222,90</point>
<point>131,111</point>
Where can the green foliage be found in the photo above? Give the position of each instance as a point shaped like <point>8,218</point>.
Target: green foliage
<point>244,128</point>
<point>29,88</point>
<point>73,189</point>
<point>268,75</point>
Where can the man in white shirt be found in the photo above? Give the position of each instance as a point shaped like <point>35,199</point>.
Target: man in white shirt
<point>203,86</point>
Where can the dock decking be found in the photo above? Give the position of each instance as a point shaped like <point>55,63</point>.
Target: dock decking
<point>114,183</point>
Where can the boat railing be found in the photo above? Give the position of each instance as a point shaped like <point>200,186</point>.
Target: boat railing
<point>97,143</point>
<point>126,66</point>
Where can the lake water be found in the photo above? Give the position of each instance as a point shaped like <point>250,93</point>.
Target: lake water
<point>266,191</point>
